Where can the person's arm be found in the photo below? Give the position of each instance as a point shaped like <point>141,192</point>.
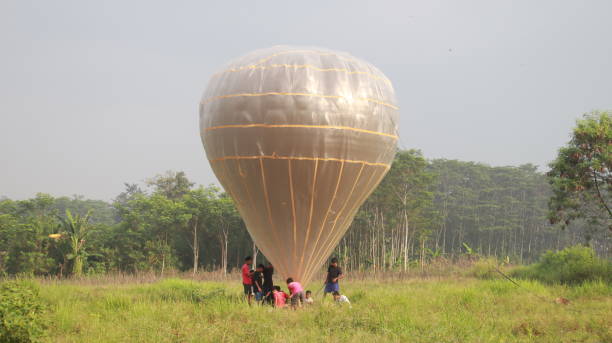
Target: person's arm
<point>340,275</point>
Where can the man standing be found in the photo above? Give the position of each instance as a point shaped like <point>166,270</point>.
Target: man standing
<point>334,274</point>
<point>268,284</point>
<point>247,282</point>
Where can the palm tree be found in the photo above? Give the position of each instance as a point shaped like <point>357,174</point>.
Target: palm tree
<point>75,228</point>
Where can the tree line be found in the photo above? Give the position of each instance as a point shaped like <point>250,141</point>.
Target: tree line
<point>423,211</point>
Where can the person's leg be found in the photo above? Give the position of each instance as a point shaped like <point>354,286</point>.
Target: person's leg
<point>246,292</point>
<point>294,300</point>
<point>302,297</point>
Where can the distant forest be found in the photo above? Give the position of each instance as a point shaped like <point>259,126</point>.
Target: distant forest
<point>423,211</point>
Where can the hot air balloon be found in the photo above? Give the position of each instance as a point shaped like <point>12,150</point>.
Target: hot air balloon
<point>298,137</point>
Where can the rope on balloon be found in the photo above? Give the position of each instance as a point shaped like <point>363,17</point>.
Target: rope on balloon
<point>301,126</point>
<point>273,157</point>
<point>376,101</point>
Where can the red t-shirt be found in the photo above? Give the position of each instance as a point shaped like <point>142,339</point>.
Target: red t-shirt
<point>280,299</point>
<point>246,279</point>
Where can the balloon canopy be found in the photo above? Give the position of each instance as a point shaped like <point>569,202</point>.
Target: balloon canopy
<point>299,137</point>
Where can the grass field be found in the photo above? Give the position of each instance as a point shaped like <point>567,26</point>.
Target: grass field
<point>412,310</point>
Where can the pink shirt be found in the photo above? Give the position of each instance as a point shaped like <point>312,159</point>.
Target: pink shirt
<point>295,287</point>
<point>280,299</point>
<point>246,279</point>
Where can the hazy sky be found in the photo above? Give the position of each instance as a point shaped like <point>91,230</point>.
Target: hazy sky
<point>97,93</point>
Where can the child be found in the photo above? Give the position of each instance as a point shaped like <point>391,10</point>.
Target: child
<point>308,300</point>
<point>296,293</point>
<point>280,297</point>
<point>341,299</point>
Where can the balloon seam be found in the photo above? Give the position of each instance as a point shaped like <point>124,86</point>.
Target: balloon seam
<point>334,127</point>
<point>312,194</point>
<point>267,197</point>
<point>347,200</point>
<point>380,102</point>
<point>331,203</point>
<point>320,53</point>
<point>329,242</point>
<point>293,211</point>
<point>331,159</point>
<point>304,66</point>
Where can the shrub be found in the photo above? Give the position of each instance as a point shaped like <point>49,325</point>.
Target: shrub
<point>21,312</point>
<point>573,265</point>
<point>484,269</point>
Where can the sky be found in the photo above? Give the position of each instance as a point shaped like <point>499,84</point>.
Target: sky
<point>97,93</point>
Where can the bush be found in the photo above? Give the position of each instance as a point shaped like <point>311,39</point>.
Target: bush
<point>573,265</point>
<point>21,312</point>
<point>484,269</point>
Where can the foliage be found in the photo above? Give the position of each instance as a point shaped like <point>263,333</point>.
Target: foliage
<point>422,213</point>
<point>572,265</point>
<point>581,175</point>
<point>75,230</point>
<point>21,312</point>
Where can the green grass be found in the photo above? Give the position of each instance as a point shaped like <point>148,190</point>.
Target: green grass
<point>415,310</point>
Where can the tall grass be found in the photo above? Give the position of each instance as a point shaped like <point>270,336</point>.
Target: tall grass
<point>452,309</point>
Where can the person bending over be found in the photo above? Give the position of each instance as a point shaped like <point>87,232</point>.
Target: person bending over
<point>296,293</point>
<point>280,297</point>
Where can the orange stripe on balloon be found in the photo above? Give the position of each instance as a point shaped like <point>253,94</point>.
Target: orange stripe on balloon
<point>298,158</point>
<point>298,94</point>
<point>303,66</point>
<point>333,127</point>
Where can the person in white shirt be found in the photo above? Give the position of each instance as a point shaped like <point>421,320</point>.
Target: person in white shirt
<point>341,299</point>
<point>308,300</point>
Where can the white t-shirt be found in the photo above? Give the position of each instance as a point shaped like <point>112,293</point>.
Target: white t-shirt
<point>343,299</point>
<point>309,300</point>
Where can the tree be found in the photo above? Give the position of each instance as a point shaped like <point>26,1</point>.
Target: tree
<point>75,229</point>
<point>198,203</point>
<point>581,176</point>
<point>173,185</point>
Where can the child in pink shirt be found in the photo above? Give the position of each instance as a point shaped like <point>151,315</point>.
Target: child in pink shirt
<point>297,293</point>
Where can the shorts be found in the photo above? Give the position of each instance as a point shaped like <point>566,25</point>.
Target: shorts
<point>248,289</point>
<point>331,287</point>
<point>297,299</point>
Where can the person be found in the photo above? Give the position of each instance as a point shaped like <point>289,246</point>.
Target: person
<point>280,297</point>
<point>334,274</point>
<point>247,282</point>
<point>341,299</point>
<point>258,282</point>
<point>268,283</point>
<point>296,292</point>
<point>308,300</point>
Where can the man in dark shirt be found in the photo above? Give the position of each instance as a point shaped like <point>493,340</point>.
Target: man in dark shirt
<point>258,282</point>
<point>334,274</point>
<point>268,284</point>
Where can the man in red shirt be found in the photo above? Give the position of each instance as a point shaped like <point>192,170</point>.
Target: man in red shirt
<point>247,282</point>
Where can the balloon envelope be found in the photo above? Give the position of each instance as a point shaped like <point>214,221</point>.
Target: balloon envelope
<point>299,137</point>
